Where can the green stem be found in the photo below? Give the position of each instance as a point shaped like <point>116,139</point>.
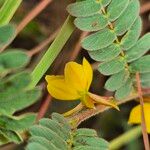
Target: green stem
<point>7,10</point>
<point>125,138</point>
<point>53,51</point>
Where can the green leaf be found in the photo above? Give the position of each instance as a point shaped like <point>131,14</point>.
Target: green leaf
<point>14,95</point>
<point>141,65</point>
<point>131,37</point>
<point>11,136</point>
<point>106,54</point>
<point>117,80</point>
<point>86,132</point>
<point>90,141</point>
<point>11,102</point>
<point>146,84</point>
<point>145,77</point>
<point>55,126</point>
<point>36,146</point>
<point>7,10</point>
<point>17,81</point>
<point>86,8</point>
<point>60,119</point>
<point>116,43</point>
<point>20,123</point>
<point>7,32</point>
<point>13,63</point>
<point>145,80</point>
<point>99,40</point>
<point>139,49</point>
<point>43,142</point>
<point>124,91</point>
<point>3,140</point>
<point>126,20</point>
<point>116,8</point>
<point>48,136</point>
<point>111,67</point>
<point>87,148</point>
<point>38,130</point>
<point>92,23</point>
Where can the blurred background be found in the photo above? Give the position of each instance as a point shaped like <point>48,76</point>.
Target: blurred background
<point>42,30</point>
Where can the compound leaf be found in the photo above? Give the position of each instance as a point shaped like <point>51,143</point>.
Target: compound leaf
<point>99,40</point>
<point>141,65</point>
<point>124,91</point>
<point>116,8</point>
<point>47,136</point>
<point>7,32</point>
<point>146,84</point>
<point>17,123</point>
<point>10,136</point>
<point>13,63</point>
<point>126,20</point>
<point>86,8</point>
<point>17,101</point>
<point>111,67</point>
<point>17,81</point>
<point>106,54</point>
<point>43,142</point>
<point>139,49</point>
<point>131,37</point>
<point>42,131</point>
<point>55,126</point>
<point>36,146</point>
<point>117,80</point>
<point>92,23</point>
<point>145,77</point>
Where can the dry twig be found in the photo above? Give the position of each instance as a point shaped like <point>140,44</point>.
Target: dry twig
<point>88,113</point>
<point>143,122</point>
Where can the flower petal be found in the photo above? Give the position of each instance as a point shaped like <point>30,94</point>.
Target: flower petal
<point>74,75</point>
<point>135,115</point>
<point>58,88</point>
<point>88,73</point>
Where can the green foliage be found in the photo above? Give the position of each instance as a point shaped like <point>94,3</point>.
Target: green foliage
<point>132,35</point>
<point>21,97</point>
<point>99,40</point>
<point>15,96</point>
<point>9,136</point>
<point>115,42</point>
<point>139,49</point>
<point>141,65</point>
<point>117,80</point>
<point>7,32</point>
<point>11,127</point>
<point>124,90</point>
<point>17,59</point>
<point>18,123</point>
<point>113,66</point>
<point>7,10</point>
<point>56,133</point>
<point>145,80</point>
<point>106,54</point>
<point>86,8</point>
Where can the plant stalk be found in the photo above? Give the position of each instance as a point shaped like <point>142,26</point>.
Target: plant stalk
<point>125,138</point>
<point>143,121</point>
<point>7,11</point>
<point>52,52</point>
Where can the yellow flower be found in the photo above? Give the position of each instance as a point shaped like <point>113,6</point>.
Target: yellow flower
<point>75,84</point>
<point>135,115</point>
